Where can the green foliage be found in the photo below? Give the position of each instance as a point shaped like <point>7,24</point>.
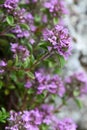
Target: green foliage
<point>24,26</point>
<point>78,102</point>
<point>3,115</point>
<point>10,20</point>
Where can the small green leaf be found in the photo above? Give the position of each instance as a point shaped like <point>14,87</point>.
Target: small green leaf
<point>30,75</point>
<point>3,115</point>
<point>61,61</point>
<point>37,18</point>
<point>10,35</point>
<point>55,20</point>
<point>1,84</point>
<point>30,47</point>
<point>24,26</point>
<point>78,102</point>
<point>76,93</point>
<point>10,20</point>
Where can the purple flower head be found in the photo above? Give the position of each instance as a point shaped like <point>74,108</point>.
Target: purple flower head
<point>19,50</point>
<point>66,124</point>
<point>20,33</point>
<point>78,82</point>
<point>20,15</point>
<point>28,84</point>
<point>2,63</point>
<point>56,7</point>
<point>28,120</point>
<point>59,39</point>
<point>52,84</point>
<point>11,4</point>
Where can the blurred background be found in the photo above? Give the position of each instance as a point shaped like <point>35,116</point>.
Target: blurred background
<point>77,24</point>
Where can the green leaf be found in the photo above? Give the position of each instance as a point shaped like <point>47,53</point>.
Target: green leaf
<point>55,20</point>
<point>30,91</point>
<point>30,47</point>
<point>78,102</point>
<point>44,45</point>
<point>37,18</point>
<point>1,84</point>
<point>3,115</point>
<point>10,35</point>
<point>10,20</point>
<point>61,61</point>
<point>76,93</point>
<point>25,26</point>
<point>10,63</point>
<point>30,75</point>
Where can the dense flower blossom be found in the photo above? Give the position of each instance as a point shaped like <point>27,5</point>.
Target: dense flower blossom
<point>52,84</point>
<point>20,33</point>
<point>78,82</point>
<point>19,50</point>
<point>28,120</point>
<point>2,65</point>
<point>11,4</point>
<point>31,120</point>
<point>56,7</point>
<point>60,40</point>
<point>65,124</point>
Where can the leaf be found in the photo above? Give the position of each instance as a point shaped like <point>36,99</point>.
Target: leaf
<point>61,61</point>
<point>30,75</point>
<point>10,35</point>
<point>3,115</point>
<point>25,26</point>
<point>1,84</point>
<point>30,47</point>
<point>44,44</point>
<point>10,20</point>
<point>55,20</point>
<point>78,102</point>
<point>37,18</point>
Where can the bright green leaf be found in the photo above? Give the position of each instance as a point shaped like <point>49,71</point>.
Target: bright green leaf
<point>10,20</point>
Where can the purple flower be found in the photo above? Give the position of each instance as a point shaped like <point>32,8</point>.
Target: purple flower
<point>11,4</point>
<point>19,50</point>
<point>2,66</point>
<point>52,84</point>
<point>78,82</point>
<point>59,39</point>
<point>28,84</point>
<point>20,33</point>
<point>66,124</point>
<point>28,120</point>
<point>2,63</point>
<point>56,7</point>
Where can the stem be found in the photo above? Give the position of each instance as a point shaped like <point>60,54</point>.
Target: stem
<point>38,61</point>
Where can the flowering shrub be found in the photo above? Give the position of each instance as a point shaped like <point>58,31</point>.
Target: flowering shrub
<point>34,46</point>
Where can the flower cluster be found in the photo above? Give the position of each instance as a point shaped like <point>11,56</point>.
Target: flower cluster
<point>20,33</point>
<point>78,82</point>
<point>11,4</point>
<point>28,120</point>
<point>52,84</point>
<point>30,33</point>
<point>33,119</point>
<point>60,40</point>
<point>56,7</point>
<point>20,51</point>
<point>65,124</point>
